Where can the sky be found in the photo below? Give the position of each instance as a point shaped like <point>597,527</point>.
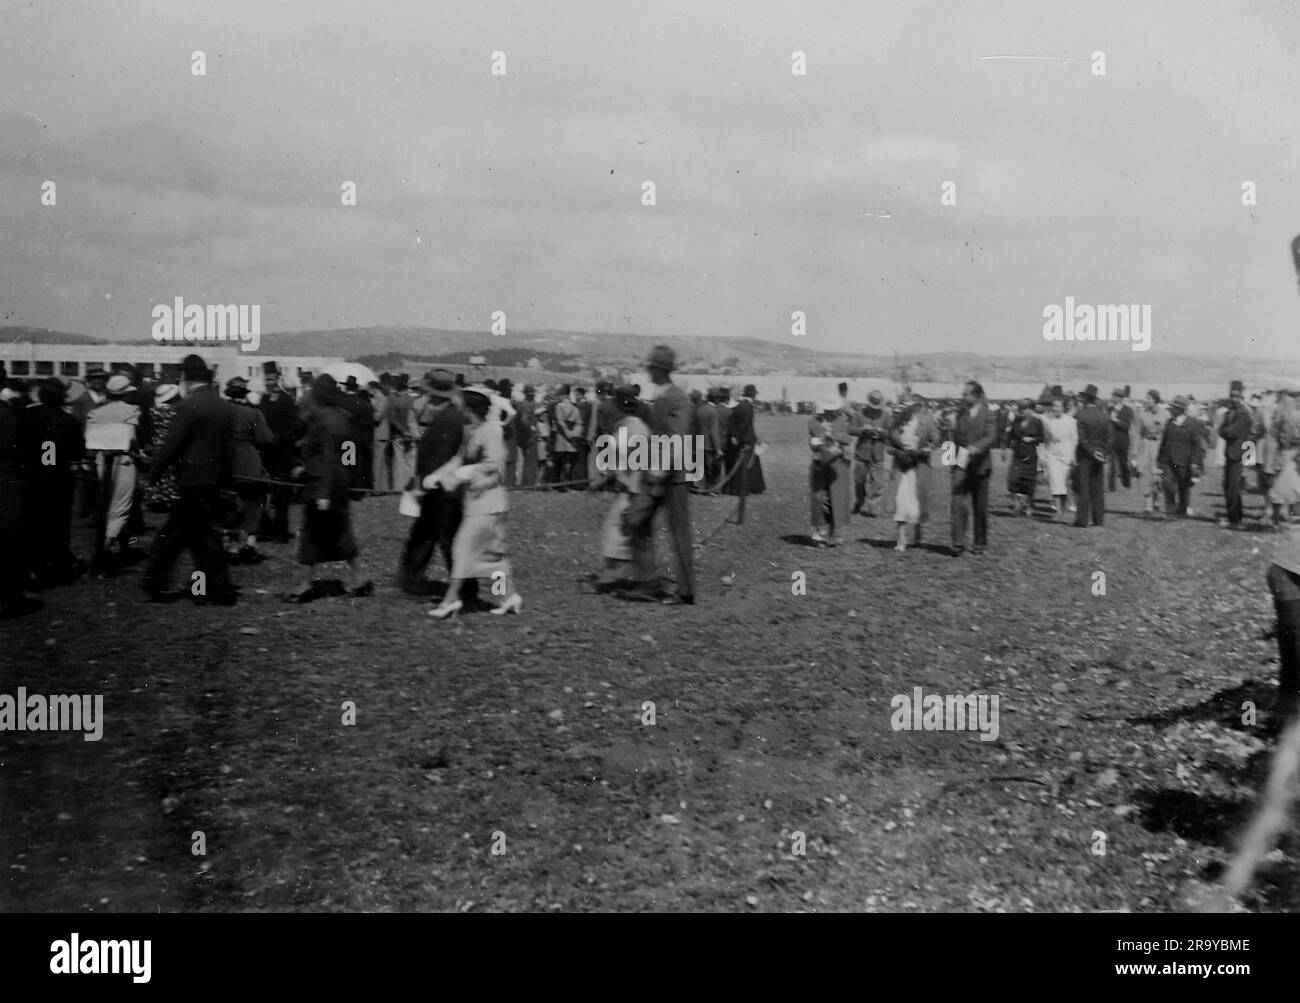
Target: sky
<point>774,192</point>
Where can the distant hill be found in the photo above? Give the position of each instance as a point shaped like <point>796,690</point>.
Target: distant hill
<point>44,336</point>
<point>583,353</point>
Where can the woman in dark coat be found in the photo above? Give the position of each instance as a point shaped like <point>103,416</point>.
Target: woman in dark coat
<point>1024,437</point>
<point>249,435</point>
<point>741,449</point>
<point>327,518</point>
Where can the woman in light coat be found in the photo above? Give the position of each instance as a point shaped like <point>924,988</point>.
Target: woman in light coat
<point>1060,437</point>
<point>479,548</point>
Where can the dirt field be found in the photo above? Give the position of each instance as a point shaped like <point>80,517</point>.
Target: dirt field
<point>1120,727</point>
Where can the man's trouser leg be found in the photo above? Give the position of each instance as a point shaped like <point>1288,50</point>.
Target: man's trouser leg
<point>383,465</point>
<point>980,505</point>
<point>420,543</point>
<point>959,512</point>
<point>677,503</point>
<point>530,465</point>
<point>1232,487</point>
<point>1285,587</point>
<point>119,508</point>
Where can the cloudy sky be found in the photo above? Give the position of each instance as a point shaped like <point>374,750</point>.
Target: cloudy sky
<point>775,192</point>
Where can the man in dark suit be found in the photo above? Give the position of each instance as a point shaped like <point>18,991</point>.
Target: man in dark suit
<point>743,441</point>
<point>1235,432</point>
<point>281,413</point>
<point>52,447</point>
<point>13,493</point>
<point>356,402</point>
<point>975,433</point>
<point>440,511</point>
<point>1121,420</point>
<point>1094,446</point>
<point>198,447</point>
<point>1182,452</point>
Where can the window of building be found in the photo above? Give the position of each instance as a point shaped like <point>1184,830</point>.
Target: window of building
<point>44,368</point>
<point>69,369</point>
<point>20,367</point>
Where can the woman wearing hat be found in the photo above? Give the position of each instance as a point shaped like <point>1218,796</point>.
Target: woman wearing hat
<point>249,435</point>
<point>906,449</point>
<point>1284,491</point>
<point>161,494</point>
<point>1024,435</point>
<point>829,485</point>
<point>479,549</point>
<point>327,519</point>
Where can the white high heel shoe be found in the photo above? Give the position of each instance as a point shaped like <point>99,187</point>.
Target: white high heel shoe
<point>445,611</point>
<point>515,604</point>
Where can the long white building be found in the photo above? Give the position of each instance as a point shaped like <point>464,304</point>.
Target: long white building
<point>151,360</point>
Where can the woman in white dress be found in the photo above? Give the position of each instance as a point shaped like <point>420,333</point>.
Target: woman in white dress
<point>1061,437</point>
<point>479,547</point>
<point>907,503</point>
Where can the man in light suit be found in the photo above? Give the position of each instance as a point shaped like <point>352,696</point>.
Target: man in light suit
<point>976,434</point>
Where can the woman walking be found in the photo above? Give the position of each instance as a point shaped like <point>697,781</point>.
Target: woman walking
<point>327,518</point>
<point>906,450</point>
<point>479,549</point>
<point>829,483</point>
<point>1284,491</point>
<point>1060,439</point>
<point>1024,435</point>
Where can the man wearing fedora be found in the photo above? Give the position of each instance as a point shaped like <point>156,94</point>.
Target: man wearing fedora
<point>1091,451</point>
<point>1235,431</point>
<point>670,414</point>
<point>870,426</point>
<point>1181,455</point>
<point>975,432</point>
<point>441,511</point>
<point>280,410</point>
<point>1121,421</point>
<point>197,446</point>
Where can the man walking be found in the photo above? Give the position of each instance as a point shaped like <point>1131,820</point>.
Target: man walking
<point>440,510</point>
<point>1121,420</point>
<point>1235,433</point>
<point>198,447</point>
<point>1094,446</point>
<point>1182,451</point>
<point>974,436</point>
<point>870,425</point>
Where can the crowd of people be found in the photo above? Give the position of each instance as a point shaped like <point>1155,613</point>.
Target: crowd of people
<point>225,464</point>
<point>877,458</point>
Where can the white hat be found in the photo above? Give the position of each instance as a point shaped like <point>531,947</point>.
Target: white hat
<point>164,392</point>
<point>118,384</point>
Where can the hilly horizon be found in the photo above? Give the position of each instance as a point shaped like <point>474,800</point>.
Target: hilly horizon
<point>725,354</point>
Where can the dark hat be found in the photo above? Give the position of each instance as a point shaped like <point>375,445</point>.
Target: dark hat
<point>237,386</point>
<point>402,381</point>
<point>99,373</point>
<point>625,397</point>
<point>458,380</point>
<point>1179,402</point>
<point>1089,392</point>
<point>270,369</point>
<point>564,390</point>
<point>1236,386</point>
<point>195,369</point>
<point>662,357</point>
<point>529,389</point>
<point>440,383</point>
<point>695,396</point>
<point>505,388</point>
<point>1154,394</point>
<point>351,383</point>
<point>750,390</point>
